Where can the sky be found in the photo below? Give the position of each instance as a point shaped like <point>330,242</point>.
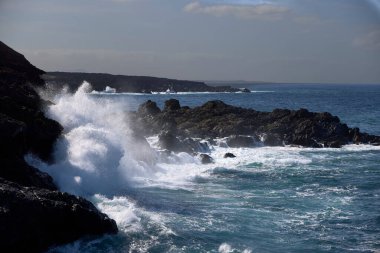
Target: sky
<point>293,41</point>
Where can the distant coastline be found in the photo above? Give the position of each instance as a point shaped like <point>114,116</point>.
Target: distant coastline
<point>131,84</point>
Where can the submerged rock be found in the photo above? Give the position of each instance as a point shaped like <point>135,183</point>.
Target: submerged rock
<point>206,159</point>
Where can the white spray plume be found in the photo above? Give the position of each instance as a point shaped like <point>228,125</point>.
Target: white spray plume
<point>97,153</point>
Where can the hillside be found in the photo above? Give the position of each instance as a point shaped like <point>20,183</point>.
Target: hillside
<point>138,84</point>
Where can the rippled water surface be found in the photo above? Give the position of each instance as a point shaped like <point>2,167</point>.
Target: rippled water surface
<point>267,199</point>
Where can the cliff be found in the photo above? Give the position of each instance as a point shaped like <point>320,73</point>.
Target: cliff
<point>34,215</point>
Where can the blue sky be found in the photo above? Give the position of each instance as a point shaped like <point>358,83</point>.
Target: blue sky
<point>323,41</point>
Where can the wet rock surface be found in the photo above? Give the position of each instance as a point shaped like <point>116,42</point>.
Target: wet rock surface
<point>206,159</point>
<point>33,214</point>
<point>33,219</point>
<point>245,127</point>
<point>229,155</point>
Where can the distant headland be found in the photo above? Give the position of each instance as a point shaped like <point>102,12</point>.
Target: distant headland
<point>133,84</point>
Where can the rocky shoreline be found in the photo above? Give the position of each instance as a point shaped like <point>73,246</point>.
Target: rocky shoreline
<point>177,126</point>
<point>34,215</point>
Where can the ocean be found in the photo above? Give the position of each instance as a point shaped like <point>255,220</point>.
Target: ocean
<point>267,199</point>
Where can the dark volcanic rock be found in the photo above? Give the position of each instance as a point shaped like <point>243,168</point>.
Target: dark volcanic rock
<point>170,142</point>
<point>240,141</point>
<point>15,169</point>
<point>276,128</point>
<point>229,155</point>
<point>33,219</point>
<point>23,126</point>
<point>206,159</point>
<point>148,108</point>
<point>172,105</point>
<point>33,215</point>
<point>15,68</point>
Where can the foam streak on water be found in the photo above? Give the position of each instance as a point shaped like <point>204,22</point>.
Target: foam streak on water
<point>267,199</point>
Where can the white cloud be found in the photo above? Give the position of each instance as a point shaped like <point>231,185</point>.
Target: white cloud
<point>370,40</point>
<point>258,11</point>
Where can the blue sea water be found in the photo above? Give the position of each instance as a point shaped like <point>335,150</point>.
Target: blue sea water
<point>267,199</point>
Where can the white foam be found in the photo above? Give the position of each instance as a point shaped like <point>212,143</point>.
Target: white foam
<point>97,153</point>
<point>122,210</point>
<point>97,157</point>
<point>225,248</point>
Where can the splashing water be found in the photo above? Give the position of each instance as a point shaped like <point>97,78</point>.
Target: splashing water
<point>267,199</point>
<point>97,153</point>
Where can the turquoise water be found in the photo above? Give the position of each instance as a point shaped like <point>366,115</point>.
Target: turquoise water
<point>268,199</point>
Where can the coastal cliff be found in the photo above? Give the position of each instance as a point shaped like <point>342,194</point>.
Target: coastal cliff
<point>34,215</point>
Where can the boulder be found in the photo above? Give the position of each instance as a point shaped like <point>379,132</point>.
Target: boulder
<point>172,105</point>
<point>170,142</point>
<point>33,219</point>
<point>206,159</point>
<point>229,155</point>
<point>148,108</point>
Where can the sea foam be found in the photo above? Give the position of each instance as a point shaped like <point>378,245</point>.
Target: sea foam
<point>97,153</point>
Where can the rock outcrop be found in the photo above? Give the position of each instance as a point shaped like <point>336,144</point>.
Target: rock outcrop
<point>32,218</point>
<point>33,214</point>
<point>14,68</point>
<point>245,127</point>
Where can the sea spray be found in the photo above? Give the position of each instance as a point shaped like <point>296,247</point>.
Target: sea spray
<point>267,199</point>
<point>98,152</point>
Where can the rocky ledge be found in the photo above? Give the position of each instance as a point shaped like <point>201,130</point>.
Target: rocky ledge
<point>241,127</point>
<point>34,215</point>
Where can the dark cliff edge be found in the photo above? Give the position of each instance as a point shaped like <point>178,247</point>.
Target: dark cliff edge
<point>177,126</point>
<point>133,84</point>
<point>34,215</point>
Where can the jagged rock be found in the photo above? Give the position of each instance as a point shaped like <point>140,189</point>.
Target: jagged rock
<point>170,142</point>
<point>33,216</point>
<point>240,141</point>
<point>15,68</point>
<point>14,168</point>
<point>148,108</point>
<point>172,105</point>
<point>334,144</point>
<point>272,139</point>
<point>33,219</point>
<point>279,127</point>
<point>229,155</point>
<point>206,159</point>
